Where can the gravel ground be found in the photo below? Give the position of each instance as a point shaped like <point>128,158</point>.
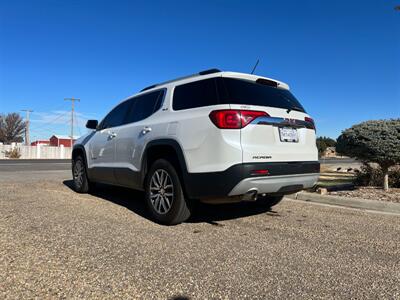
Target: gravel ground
<point>371,193</point>
<point>55,243</point>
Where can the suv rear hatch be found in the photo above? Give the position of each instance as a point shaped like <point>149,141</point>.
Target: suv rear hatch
<point>275,126</point>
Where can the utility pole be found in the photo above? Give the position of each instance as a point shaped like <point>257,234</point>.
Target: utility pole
<point>72,116</point>
<point>27,139</point>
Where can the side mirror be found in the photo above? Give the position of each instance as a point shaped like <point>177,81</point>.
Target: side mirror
<point>92,124</point>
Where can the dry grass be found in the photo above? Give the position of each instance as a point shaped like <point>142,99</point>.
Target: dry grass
<point>371,193</point>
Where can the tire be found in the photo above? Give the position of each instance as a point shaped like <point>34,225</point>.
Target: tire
<point>79,175</point>
<point>164,194</point>
<point>269,201</point>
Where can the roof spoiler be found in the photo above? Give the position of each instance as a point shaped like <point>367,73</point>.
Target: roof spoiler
<point>205,72</point>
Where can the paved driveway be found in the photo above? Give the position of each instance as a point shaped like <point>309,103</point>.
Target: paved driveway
<point>55,243</point>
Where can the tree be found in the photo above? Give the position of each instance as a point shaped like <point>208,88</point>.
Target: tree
<point>324,142</point>
<point>12,127</point>
<point>373,141</point>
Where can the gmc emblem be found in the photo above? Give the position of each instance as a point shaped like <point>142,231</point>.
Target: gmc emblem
<point>291,121</point>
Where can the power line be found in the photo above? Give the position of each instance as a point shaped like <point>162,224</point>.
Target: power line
<point>51,121</point>
<point>72,116</point>
<point>27,138</point>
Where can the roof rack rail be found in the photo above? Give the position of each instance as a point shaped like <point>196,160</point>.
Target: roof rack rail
<point>205,72</point>
<point>149,87</point>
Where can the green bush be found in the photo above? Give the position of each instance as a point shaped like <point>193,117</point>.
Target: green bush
<point>373,142</point>
<point>373,176</point>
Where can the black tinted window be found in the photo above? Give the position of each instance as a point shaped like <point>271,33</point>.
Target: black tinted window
<point>144,106</point>
<point>195,94</point>
<point>117,116</point>
<point>237,91</point>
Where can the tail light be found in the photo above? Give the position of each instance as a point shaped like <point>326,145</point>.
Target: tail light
<point>310,121</point>
<point>234,119</point>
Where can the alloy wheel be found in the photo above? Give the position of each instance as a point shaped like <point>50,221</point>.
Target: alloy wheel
<point>161,191</point>
<point>79,172</point>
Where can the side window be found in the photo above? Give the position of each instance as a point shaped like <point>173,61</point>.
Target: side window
<point>195,94</point>
<point>116,117</point>
<point>144,106</point>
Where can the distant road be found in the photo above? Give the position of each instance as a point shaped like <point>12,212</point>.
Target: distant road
<point>15,165</point>
<point>331,161</point>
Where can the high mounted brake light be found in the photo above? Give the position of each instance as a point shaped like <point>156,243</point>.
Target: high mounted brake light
<point>234,118</point>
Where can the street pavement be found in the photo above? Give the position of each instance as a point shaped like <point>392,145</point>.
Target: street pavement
<point>16,165</point>
<point>55,243</point>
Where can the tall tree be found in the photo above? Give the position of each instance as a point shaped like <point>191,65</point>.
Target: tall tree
<point>12,128</point>
<point>373,141</point>
<point>324,142</point>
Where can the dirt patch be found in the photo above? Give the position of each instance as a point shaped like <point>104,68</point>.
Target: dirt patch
<point>371,193</point>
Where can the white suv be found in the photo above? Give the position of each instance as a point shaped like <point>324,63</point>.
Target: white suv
<point>213,136</point>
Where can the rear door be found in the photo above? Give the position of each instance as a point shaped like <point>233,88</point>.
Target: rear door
<point>285,133</point>
<point>133,136</point>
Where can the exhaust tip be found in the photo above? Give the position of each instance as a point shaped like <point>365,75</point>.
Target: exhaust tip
<point>251,195</point>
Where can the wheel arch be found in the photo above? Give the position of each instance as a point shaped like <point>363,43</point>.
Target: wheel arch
<point>168,149</point>
<point>79,150</point>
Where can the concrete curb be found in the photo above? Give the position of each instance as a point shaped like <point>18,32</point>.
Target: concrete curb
<point>382,206</point>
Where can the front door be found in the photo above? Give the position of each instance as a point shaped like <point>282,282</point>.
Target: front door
<point>102,152</point>
<point>102,145</point>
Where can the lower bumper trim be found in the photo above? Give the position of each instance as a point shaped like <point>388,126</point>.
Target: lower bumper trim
<point>286,184</point>
<point>219,184</point>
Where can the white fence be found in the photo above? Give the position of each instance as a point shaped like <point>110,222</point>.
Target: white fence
<point>40,151</point>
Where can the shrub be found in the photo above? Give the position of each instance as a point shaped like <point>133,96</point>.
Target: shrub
<point>14,153</point>
<point>373,176</point>
<point>373,141</point>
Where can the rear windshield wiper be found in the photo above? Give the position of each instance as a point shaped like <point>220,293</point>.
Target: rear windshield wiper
<point>294,108</point>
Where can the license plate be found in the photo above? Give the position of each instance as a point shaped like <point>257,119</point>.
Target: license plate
<point>288,135</point>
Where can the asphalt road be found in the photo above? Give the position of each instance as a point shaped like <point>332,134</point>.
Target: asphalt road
<point>55,243</point>
<point>16,165</point>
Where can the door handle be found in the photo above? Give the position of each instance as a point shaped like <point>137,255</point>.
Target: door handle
<point>112,135</point>
<point>146,129</point>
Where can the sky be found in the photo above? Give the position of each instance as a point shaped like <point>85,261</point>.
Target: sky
<point>340,58</point>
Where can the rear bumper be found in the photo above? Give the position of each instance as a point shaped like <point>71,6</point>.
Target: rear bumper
<point>285,184</point>
<point>283,177</point>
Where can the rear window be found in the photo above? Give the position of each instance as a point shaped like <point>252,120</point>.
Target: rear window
<point>238,91</point>
<point>220,90</point>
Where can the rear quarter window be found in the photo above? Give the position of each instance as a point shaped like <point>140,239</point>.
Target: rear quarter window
<point>195,94</point>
